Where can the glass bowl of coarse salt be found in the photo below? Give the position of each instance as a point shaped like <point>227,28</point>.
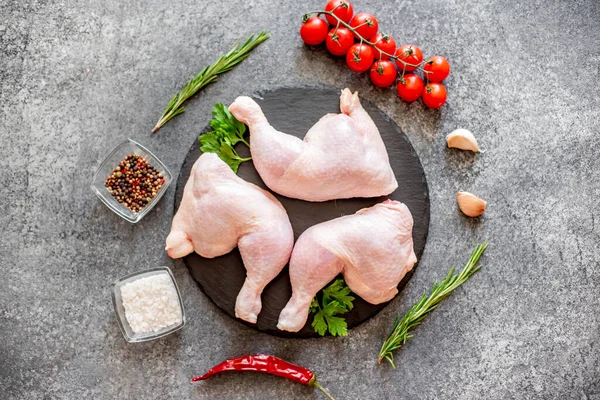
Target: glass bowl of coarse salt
<point>148,304</point>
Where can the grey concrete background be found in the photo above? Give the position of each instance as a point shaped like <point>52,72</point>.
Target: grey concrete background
<point>77,77</point>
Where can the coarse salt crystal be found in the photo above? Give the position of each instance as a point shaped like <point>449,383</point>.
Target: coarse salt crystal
<point>151,303</point>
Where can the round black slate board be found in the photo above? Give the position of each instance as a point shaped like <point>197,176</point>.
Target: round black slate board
<point>294,111</point>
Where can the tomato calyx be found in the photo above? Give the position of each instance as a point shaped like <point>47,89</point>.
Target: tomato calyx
<point>344,4</point>
<point>409,52</point>
<point>379,69</point>
<point>434,95</point>
<point>357,58</point>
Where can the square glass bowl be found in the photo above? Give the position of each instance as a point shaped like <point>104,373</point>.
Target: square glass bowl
<point>128,333</point>
<point>111,162</point>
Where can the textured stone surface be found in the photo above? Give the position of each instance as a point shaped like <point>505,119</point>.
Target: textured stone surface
<point>77,77</point>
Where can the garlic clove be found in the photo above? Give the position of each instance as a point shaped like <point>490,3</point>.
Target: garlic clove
<point>462,139</point>
<point>470,205</point>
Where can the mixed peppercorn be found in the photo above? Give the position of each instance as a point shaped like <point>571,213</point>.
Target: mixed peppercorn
<point>134,182</point>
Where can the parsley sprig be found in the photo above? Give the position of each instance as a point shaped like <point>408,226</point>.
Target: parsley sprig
<point>335,300</point>
<point>226,133</point>
<point>399,333</point>
<point>209,75</point>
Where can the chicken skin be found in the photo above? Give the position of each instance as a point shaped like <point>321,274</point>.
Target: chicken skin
<point>341,156</point>
<point>373,249</point>
<point>220,211</point>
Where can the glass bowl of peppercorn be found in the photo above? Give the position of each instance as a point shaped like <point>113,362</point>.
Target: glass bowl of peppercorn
<point>131,180</point>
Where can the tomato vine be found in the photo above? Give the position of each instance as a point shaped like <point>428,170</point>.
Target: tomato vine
<point>394,57</point>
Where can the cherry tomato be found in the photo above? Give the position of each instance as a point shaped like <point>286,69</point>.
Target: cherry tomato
<point>434,95</point>
<point>383,73</point>
<point>384,43</point>
<point>438,67</point>
<point>314,31</point>
<point>366,25</point>
<point>360,57</point>
<point>341,8</point>
<point>409,53</point>
<point>339,42</point>
<point>410,87</point>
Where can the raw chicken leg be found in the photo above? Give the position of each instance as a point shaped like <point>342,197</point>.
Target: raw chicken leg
<point>341,156</point>
<point>373,249</point>
<point>220,211</point>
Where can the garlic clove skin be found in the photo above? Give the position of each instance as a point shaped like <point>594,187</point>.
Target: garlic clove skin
<point>470,205</point>
<point>462,139</point>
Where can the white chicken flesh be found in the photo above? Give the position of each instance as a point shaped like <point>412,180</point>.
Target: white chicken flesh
<point>220,211</point>
<point>373,249</point>
<point>341,156</point>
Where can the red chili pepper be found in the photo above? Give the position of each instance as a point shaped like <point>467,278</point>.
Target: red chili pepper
<point>267,364</point>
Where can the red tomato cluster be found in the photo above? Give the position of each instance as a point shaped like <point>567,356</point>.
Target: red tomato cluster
<point>372,53</point>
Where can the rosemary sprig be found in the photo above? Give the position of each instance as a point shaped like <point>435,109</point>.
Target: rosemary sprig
<point>209,75</point>
<point>399,333</point>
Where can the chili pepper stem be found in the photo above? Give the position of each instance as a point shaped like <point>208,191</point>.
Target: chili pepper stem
<point>316,384</point>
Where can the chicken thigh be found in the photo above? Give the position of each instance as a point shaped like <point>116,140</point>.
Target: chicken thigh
<point>373,249</point>
<point>341,156</point>
<point>220,211</point>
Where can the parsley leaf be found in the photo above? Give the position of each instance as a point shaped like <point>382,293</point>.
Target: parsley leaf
<point>340,292</point>
<point>314,305</point>
<point>335,300</point>
<point>319,324</point>
<point>337,325</point>
<point>222,119</point>
<point>227,131</point>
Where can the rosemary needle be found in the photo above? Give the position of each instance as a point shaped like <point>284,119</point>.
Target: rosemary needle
<point>209,75</point>
<point>399,333</point>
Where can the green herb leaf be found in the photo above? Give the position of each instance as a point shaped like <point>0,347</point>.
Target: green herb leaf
<point>335,307</point>
<point>340,292</point>
<point>233,129</point>
<point>426,304</point>
<point>337,325</point>
<point>209,143</point>
<point>231,158</point>
<point>222,115</point>
<point>326,318</point>
<point>209,75</point>
<point>335,300</point>
<point>314,305</point>
<point>319,324</point>
<point>227,131</point>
